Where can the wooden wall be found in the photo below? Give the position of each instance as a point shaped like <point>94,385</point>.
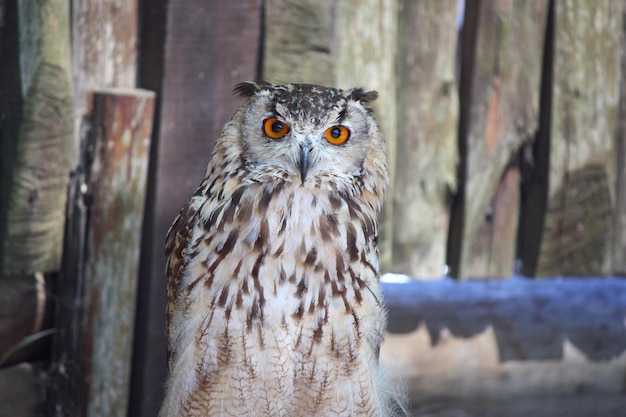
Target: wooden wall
<point>469,120</point>
<point>505,126</point>
<point>74,139</point>
<point>497,171</point>
<point>207,48</point>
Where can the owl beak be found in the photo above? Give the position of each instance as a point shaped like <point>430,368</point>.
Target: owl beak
<point>304,161</point>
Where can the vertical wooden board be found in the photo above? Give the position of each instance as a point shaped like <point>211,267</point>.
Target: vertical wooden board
<point>202,67</point>
<point>104,46</point>
<point>299,41</point>
<point>11,106</point>
<point>366,36</point>
<point>123,122</point>
<point>427,107</point>
<point>582,172</point>
<point>97,287</point>
<point>192,60</point>
<point>37,164</point>
<point>619,218</point>
<point>497,117</point>
<point>501,222</point>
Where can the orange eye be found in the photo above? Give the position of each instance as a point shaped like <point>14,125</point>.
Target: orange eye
<point>337,135</point>
<point>274,128</point>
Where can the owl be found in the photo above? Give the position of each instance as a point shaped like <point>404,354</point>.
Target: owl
<point>274,302</point>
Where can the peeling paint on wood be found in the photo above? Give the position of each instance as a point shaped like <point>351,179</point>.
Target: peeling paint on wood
<point>122,123</point>
<point>98,285</point>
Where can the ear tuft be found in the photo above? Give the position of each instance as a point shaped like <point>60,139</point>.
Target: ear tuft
<point>364,96</point>
<point>250,88</point>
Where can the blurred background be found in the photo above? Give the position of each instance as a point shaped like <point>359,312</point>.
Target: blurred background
<point>503,237</point>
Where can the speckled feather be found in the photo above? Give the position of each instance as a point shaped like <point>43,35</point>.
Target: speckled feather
<point>274,304</point>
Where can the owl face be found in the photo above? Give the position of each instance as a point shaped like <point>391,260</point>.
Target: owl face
<point>306,133</point>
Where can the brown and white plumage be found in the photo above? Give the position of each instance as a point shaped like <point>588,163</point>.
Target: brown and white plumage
<point>274,304</point>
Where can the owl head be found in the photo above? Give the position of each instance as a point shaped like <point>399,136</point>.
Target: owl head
<point>309,135</point>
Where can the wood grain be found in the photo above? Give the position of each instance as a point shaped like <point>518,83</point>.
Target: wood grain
<point>299,42</point>
<point>619,218</point>
<point>36,161</point>
<point>366,33</point>
<point>98,285</point>
<point>427,106</point>
<point>104,47</point>
<point>577,232</point>
<point>500,90</point>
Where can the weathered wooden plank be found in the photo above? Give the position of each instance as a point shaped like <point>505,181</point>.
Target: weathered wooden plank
<point>577,226</point>
<point>427,152</point>
<point>499,231</point>
<point>123,120</point>
<point>11,105</point>
<point>366,37</point>
<point>25,311</point>
<point>36,161</point>
<point>618,245</point>
<point>22,390</point>
<point>104,47</point>
<point>299,40</point>
<point>478,343</point>
<point>98,289</point>
<point>192,61</point>
<point>500,86</point>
